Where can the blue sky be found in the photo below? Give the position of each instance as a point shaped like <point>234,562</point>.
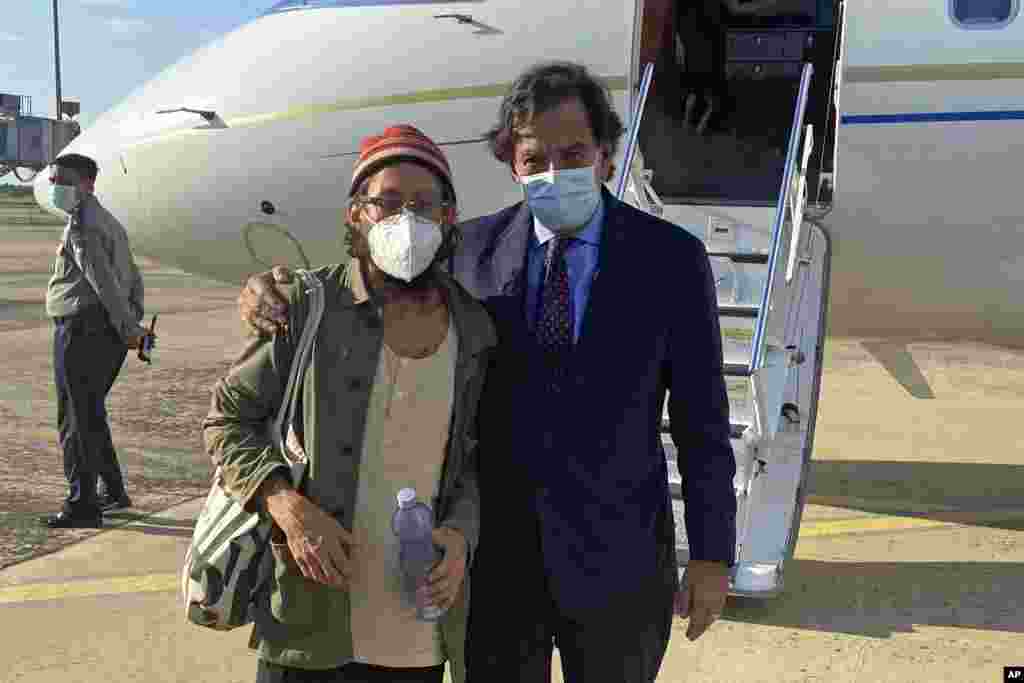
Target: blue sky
<point>107,47</point>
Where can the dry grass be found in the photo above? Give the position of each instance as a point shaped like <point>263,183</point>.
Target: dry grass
<point>155,411</point>
<point>157,438</point>
<point>21,209</point>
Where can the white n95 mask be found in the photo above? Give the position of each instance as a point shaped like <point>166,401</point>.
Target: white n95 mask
<point>562,200</point>
<point>404,245</point>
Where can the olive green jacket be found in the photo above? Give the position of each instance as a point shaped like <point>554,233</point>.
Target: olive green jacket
<point>301,623</point>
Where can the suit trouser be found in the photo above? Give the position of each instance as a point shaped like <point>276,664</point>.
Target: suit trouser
<point>515,622</point>
<point>87,358</point>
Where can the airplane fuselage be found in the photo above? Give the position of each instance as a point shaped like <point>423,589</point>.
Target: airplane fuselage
<point>928,236</point>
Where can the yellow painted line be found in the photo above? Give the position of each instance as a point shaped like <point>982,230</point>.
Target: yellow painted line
<point>85,588</point>
<point>170,582</point>
<point>613,83</point>
<point>839,527</point>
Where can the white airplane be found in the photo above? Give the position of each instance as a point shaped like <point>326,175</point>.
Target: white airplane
<point>237,157</point>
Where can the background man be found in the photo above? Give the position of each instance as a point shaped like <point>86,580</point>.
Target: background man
<point>95,298</point>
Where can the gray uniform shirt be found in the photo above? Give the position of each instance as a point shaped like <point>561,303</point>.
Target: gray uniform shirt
<point>95,265</point>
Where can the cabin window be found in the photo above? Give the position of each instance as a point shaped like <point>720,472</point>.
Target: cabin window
<point>983,14</point>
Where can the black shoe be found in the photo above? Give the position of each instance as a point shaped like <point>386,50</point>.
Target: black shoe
<point>111,502</point>
<point>63,520</point>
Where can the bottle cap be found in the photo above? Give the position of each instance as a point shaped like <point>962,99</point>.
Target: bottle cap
<point>406,497</point>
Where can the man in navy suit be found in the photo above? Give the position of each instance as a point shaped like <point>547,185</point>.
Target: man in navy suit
<point>601,309</point>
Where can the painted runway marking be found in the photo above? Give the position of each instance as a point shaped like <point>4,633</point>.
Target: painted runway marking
<point>83,588</point>
<point>840,527</point>
<point>891,523</point>
<point>170,582</point>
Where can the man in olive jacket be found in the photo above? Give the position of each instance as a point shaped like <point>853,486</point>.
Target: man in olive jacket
<point>388,401</point>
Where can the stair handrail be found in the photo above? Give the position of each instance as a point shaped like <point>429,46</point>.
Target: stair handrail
<point>634,131</point>
<point>795,138</point>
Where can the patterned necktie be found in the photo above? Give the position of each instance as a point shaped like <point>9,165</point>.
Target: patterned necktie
<point>555,322</point>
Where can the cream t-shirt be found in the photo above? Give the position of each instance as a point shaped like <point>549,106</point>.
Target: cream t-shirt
<point>407,427</point>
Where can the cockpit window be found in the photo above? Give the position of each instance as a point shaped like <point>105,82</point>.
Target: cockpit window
<point>291,5</point>
<point>973,14</point>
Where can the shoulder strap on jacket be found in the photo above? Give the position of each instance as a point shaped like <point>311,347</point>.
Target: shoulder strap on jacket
<point>314,291</point>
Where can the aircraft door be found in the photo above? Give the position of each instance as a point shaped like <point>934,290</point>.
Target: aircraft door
<point>827,161</point>
<point>717,125</point>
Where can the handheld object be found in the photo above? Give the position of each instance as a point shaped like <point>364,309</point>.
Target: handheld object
<point>412,524</point>
<point>146,345</point>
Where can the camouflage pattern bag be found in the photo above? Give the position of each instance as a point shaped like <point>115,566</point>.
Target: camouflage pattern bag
<point>222,570</point>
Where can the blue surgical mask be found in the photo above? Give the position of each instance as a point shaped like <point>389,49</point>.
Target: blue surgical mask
<point>562,200</point>
<point>64,197</point>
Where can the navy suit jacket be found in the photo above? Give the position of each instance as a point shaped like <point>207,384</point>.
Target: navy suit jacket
<point>585,458</point>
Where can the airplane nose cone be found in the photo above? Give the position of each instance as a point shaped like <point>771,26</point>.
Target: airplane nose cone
<point>85,143</point>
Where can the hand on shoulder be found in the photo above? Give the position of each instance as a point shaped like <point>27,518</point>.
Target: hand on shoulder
<point>263,303</point>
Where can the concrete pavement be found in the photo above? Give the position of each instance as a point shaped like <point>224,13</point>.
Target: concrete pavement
<point>910,564</point>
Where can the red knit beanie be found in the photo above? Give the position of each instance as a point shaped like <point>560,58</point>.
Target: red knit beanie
<point>403,141</point>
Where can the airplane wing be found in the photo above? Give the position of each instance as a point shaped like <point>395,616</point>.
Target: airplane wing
<point>898,362</point>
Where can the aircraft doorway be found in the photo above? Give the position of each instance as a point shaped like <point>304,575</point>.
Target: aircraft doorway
<point>736,135</point>
<point>727,73</point>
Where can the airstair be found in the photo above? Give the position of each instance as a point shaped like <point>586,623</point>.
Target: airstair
<point>770,256</point>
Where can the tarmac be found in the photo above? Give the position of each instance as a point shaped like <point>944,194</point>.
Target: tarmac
<point>908,566</point>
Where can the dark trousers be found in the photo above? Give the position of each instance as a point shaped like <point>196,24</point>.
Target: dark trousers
<point>87,357</point>
<point>515,622</point>
<point>267,672</point>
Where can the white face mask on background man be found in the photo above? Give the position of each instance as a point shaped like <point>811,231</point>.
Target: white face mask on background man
<point>404,245</point>
<point>562,200</point>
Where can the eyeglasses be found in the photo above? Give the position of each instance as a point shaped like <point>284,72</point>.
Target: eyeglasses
<point>390,206</point>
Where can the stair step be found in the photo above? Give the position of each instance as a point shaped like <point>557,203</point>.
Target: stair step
<point>669,199</point>
<point>739,310</point>
<point>741,407</point>
<point>740,257</point>
<point>735,429</point>
<point>675,482</point>
<point>737,369</point>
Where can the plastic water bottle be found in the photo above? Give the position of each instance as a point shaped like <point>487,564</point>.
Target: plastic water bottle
<point>413,523</point>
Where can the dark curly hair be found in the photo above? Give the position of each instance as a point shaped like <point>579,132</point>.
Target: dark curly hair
<point>543,87</point>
